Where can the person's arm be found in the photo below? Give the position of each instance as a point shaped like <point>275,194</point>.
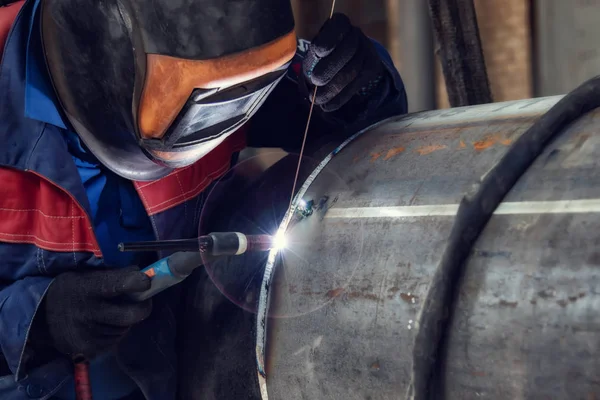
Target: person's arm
<point>43,319</point>
<point>357,86</point>
<point>19,301</point>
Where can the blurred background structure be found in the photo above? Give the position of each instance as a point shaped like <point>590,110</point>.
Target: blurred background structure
<point>532,47</point>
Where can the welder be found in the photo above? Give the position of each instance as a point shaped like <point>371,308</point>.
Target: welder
<point>115,118</point>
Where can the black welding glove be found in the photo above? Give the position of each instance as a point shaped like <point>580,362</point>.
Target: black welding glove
<point>88,312</point>
<point>344,65</point>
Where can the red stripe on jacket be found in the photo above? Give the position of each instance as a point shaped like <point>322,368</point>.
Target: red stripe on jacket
<point>34,210</point>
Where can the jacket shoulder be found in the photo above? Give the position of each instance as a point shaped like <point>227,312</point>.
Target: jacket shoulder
<point>8,14</point>
<point>35,211</point>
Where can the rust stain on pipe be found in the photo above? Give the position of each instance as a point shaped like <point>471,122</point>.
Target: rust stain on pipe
<point>375,156</point>
<point>430,149</point>
<point>490,141</point>
<point>409,298</point>
<point>333,293</point>
<point>375,366</point>
<point>393,152</point>
<point>484,144</point>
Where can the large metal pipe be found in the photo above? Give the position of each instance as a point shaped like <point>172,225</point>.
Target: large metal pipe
<point>525,323</point>
<point>345,299</point>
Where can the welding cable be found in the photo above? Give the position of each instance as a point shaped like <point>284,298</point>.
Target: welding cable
<point>475,210</point>
<point>81,375</point>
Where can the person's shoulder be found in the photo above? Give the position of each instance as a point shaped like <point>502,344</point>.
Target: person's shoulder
<point>8,14</point>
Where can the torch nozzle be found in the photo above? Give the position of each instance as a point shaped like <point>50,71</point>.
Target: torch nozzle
<point>216,244</point>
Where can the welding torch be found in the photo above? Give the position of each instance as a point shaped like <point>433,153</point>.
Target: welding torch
<point>175,268</point>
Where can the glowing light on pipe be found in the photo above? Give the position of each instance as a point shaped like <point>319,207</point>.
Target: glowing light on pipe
<point>279,241</point>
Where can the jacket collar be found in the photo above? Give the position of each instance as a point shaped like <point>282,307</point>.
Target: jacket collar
<point>41,103</point>
<point>32,143</point>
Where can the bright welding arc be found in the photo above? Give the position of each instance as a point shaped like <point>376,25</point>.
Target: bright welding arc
<point>279,241</point>
<point>310,112</point>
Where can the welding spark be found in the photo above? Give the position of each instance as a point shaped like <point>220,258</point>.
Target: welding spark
<point>279,241</point>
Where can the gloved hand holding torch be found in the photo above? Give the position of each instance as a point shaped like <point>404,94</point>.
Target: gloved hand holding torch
<point>88,312</point>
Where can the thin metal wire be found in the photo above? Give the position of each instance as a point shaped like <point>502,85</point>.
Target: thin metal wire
<point>332,8</point>
<point>310,112</point>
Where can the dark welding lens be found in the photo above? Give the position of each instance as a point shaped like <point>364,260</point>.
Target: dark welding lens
<point>209,114</point>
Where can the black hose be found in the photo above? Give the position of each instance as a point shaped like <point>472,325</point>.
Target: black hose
<point>474,212</point>
<point>459,49</point>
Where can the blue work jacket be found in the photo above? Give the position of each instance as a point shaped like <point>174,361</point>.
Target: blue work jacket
<point>45,228</point>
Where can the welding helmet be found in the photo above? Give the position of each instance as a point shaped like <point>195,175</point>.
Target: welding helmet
<point>153,85</point>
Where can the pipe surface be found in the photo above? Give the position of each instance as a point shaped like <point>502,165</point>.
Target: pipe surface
<point>524,323</point>
<point>343,306</point>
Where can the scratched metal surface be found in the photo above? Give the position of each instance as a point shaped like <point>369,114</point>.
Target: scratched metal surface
<point>526,323</point>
